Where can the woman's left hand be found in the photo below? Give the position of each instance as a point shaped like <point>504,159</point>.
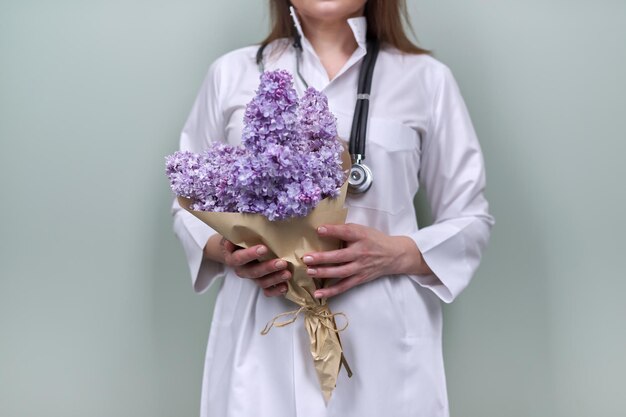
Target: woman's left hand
<point>368,254</point>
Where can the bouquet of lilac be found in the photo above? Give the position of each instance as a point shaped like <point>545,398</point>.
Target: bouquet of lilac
<point>284,181</point>
<point>290,159</point>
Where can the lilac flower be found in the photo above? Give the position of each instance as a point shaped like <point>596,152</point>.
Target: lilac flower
<point>290,158</point>
<point>317,124</point>
<point>270,117</point>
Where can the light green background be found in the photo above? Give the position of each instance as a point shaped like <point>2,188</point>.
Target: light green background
<point>97,315</point>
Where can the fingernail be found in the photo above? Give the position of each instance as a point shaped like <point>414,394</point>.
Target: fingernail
<point>321,230</point>
<point>261,250</point>
<point>283,290</point>
<point>318,294</point>
<point>285,276</point>
<point>280,264</point>
<point>307,259</point>
<point>311,271</point>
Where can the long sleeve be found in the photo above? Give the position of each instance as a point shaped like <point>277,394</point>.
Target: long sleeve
<point>453,175</point>
<point>204,125</point>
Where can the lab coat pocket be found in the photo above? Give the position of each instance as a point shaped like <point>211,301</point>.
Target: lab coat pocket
<point>393,154</point>
<point>420,309</point>
<point>423,378</point>
<point>423,371</point>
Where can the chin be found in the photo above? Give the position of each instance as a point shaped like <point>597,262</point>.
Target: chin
<point>329,9</point>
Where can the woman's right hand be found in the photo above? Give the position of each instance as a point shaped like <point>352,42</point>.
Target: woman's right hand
<point>271,275</point>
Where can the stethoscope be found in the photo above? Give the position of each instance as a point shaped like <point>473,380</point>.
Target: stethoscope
<point>360,177</point>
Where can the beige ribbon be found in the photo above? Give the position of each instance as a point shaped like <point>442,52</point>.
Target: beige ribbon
<point>324,316</point>
<point>321,312</point>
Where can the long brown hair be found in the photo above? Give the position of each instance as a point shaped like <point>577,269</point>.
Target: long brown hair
<point>384,21</point>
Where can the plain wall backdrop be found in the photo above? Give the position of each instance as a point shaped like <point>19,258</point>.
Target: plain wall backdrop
<point>97,314</point>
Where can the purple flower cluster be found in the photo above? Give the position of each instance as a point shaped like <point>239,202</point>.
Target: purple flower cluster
<point>290,158</point>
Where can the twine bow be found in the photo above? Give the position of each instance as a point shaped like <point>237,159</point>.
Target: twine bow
<point>320,311</point>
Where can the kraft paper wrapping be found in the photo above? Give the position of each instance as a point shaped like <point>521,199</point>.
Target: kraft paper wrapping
<point>290,240</point>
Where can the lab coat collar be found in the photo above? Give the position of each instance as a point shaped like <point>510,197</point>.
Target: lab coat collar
<point>357,24</point>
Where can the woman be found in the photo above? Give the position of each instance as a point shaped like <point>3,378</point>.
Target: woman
<point>392,275</point>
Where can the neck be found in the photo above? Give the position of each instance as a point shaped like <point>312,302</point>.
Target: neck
<point>329,36</point>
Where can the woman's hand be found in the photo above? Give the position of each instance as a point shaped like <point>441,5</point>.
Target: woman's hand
<point>271,275</point>
<point>368,254</point>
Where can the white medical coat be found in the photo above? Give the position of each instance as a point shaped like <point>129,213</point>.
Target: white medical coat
<point>419,133</point>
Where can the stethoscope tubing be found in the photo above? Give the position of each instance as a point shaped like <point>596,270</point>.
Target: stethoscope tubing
<point>362,179</point>
<point>358,133</point>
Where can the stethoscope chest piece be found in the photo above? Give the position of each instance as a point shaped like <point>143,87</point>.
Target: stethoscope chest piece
<point>360,178</point>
